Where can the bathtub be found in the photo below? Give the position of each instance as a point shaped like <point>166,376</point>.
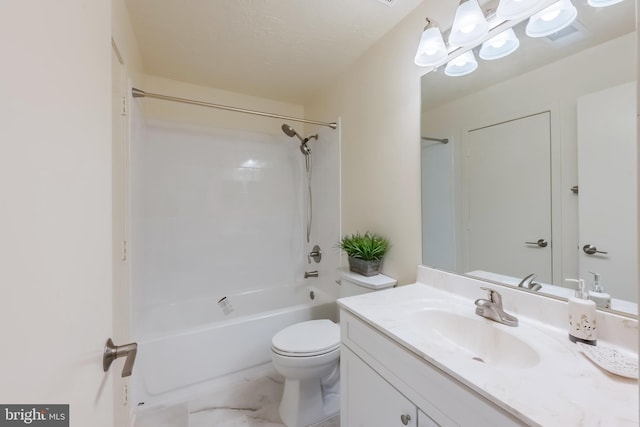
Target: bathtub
<point>189,347</point>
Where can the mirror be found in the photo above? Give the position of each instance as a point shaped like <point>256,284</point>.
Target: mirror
<point>512,193</point>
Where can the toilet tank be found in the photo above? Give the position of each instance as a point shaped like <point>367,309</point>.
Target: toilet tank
<point>355,284</point>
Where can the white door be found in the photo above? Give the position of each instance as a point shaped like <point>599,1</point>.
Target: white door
<point>55,215</point>
<point>607,182</point>
<point>508,198</point>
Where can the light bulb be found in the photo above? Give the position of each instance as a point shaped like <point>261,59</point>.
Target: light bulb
<point>500,46</point>
<point>431,50</point>
<point>469,24</point>
<point>550,15</point>
<point>552,19</point>
<point>462,65</point>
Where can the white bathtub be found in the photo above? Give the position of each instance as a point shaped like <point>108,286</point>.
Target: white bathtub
<point>186,347</point>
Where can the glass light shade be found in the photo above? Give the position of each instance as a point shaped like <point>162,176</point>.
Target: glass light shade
<point>462,65</point>
<point>500,46</point>
<point>552,19</point>
<point>431,50</point>
<point>602,3</point>
<point>516,9</point>
<point>469,25</point>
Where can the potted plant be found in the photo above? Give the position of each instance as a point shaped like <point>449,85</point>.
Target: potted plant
<point>365,252</point>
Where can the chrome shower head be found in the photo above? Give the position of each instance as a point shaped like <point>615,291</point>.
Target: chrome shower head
<point>290,132</point>
<point>304,148</point>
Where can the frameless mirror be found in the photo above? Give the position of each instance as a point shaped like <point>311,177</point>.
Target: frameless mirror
<point>539,171</point>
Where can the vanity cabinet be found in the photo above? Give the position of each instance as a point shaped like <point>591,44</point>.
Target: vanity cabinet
<point>369,399</point>
<point>383,384</point>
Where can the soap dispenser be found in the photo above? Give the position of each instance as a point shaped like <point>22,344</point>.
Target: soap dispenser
<point>597,293</point>
<point>582,316</point>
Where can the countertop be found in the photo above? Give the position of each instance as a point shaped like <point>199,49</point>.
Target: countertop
<point>563,389</point>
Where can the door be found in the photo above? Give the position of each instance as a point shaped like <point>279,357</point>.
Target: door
<point>507,205</point>
<point>55,220</point>
<point>607,202</point>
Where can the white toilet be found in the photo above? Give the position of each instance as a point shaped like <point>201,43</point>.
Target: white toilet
<point>307,355</point>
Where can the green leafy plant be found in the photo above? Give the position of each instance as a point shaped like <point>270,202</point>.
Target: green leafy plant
<point>368,247</point>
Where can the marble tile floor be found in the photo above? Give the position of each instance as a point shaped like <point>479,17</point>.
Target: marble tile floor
<point>248,403</point>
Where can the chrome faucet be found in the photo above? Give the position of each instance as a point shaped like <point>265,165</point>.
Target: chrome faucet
<point>492,309</point>
<point>528,282</point>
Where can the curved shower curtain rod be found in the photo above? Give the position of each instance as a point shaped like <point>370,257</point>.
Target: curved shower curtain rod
<point>137,93</point>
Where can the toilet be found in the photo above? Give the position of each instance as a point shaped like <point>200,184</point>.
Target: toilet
<point>306,354</point>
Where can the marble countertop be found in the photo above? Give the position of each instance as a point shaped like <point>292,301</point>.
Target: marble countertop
<point>564,388</point>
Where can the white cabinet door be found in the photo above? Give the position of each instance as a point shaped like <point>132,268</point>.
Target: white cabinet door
<point>508,198</point>
<point>607,180</point>
<point>368,400</point>
<point>425,421</point>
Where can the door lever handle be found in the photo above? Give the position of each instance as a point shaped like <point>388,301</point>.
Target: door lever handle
<point>112,352</point>
<point>541,242</point>
<point>592,250</point>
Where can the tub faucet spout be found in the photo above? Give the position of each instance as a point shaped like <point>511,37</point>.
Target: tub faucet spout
<point>308,274</point>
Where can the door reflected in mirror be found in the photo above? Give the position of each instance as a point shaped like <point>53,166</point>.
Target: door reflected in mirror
<point>539,174</point>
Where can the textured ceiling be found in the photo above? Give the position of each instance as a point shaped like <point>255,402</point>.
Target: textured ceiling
<point>279,49</point>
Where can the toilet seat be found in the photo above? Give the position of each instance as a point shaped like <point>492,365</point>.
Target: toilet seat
<point>305,339</point>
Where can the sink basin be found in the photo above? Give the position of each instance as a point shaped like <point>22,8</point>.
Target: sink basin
<point>472,336</point>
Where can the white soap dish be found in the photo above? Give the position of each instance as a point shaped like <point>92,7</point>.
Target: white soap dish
<point>612,360</point>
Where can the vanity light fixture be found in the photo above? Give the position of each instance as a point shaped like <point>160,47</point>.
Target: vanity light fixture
<point>431,50</point>
<point>602,3</point>
<point>462,65</point>
<point>469,25</point>
<point>499,46</point>
<point>516,9</point>
<point>552,19</point>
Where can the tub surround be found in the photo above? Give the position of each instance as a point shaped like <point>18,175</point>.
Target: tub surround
<point>562,388</point>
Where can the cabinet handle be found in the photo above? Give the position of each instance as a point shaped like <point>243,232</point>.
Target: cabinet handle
<point>405,419</point>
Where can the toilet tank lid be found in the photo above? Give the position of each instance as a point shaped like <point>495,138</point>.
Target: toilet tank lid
<point>379,281</point>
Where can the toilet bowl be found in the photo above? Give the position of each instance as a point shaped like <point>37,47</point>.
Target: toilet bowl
<point>306,355</point>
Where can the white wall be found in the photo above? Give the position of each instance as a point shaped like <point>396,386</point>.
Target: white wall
<point>55,221</point>
<point>554,87</point>
<point>378,102</point>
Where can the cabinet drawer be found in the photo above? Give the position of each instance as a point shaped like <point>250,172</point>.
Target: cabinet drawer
<point>447,401</point>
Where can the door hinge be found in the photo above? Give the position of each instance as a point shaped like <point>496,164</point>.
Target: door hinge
<point>124,250</point>
<point>125,394</point>
<point>124,106</point>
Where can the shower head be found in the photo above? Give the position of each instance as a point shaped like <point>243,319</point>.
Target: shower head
<point>304,148</point>
<point>290,132</point>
